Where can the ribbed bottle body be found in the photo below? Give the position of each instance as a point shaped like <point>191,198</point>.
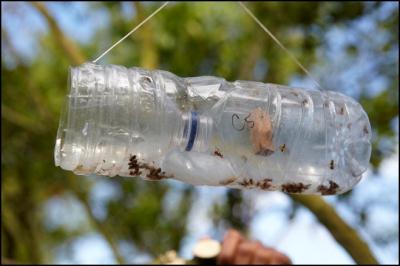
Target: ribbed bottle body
<point>113,112</point>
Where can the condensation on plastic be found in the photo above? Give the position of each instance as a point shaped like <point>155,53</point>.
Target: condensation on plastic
<point>153,124</point>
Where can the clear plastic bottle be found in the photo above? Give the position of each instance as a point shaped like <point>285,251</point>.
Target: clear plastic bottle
<point>207,131</point>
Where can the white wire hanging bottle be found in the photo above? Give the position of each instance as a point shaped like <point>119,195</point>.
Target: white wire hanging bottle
<point>207,131</point>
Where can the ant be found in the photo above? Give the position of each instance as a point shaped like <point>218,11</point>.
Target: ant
<point>332,165</point>
<point>282,147</point>
<point>218,153</point>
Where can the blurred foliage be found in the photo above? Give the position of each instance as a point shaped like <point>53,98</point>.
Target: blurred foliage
<point>189,40</point>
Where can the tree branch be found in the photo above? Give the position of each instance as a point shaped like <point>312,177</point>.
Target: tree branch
<point>148,49</point>
<point>81,194</point>
<point>21,120</point>
<point>63,41</point>
<point>340,230</point>
<point>76,57</point>
<point>38,99</point>
<point>249,61</point>
<point>102,228</point>
<point>346,236</point>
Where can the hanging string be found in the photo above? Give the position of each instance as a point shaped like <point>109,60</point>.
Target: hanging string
<point>247,11</point>
<point>132,31</point>
<point>279,43</point>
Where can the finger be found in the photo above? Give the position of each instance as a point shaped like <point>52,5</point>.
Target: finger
<point>245,252</point>
<point>263,255</point>
<point>231,240</point>
<point>280,258</point>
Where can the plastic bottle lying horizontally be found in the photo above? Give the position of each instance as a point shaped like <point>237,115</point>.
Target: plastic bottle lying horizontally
<point>207,131</point>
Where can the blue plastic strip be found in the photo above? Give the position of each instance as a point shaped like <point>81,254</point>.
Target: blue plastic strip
<point>193,131</point>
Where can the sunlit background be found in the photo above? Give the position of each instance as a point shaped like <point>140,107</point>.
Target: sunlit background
<point>50,215</point>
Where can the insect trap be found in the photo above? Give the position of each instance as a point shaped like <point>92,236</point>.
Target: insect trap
<point>208,131</point>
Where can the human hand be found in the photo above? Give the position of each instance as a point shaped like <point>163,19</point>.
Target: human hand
<point>238,250</point>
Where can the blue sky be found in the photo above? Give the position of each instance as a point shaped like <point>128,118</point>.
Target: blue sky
<point>304,239</point>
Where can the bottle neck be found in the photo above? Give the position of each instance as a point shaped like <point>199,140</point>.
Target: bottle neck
<point>195,132</point>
